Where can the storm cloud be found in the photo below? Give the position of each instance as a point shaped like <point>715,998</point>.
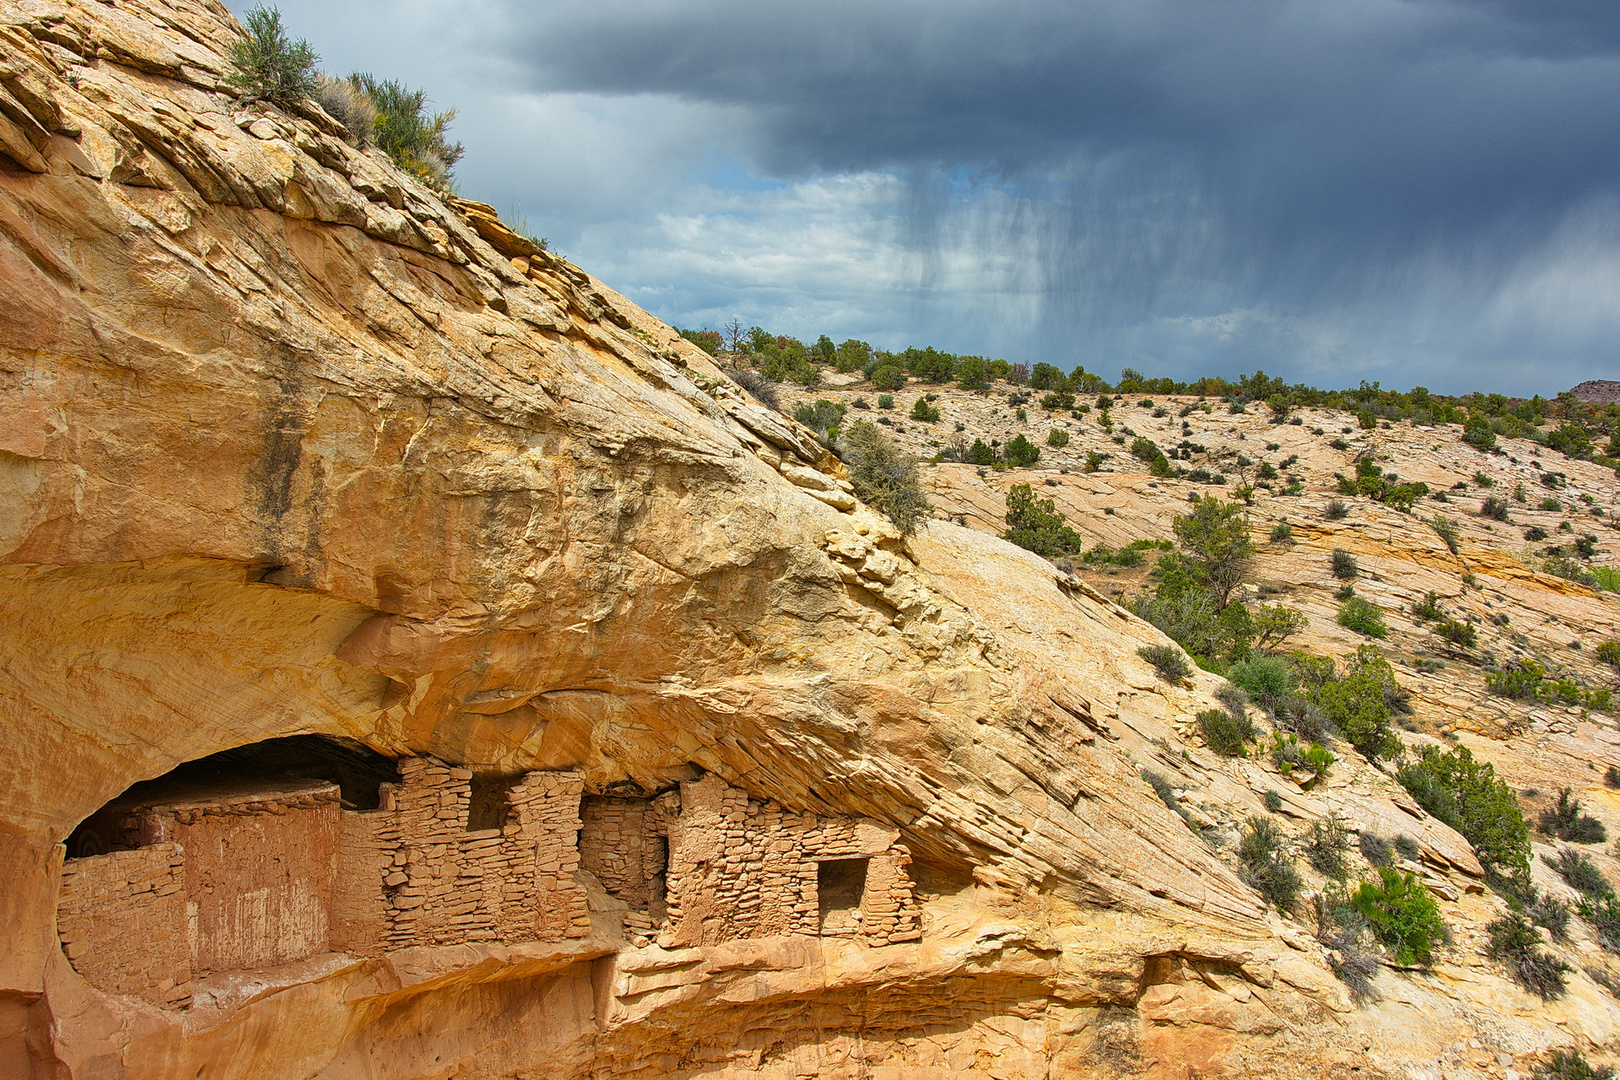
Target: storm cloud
<point>1413,191</point>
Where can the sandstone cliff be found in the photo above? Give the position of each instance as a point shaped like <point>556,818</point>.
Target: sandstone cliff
<point>289,446</point>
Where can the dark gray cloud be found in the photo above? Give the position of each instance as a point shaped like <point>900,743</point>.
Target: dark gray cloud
<point>1417,188</point>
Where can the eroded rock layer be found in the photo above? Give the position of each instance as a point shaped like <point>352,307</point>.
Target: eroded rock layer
<point>289,447</point>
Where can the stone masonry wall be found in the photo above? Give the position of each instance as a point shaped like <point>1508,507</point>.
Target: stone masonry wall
<point>621,843</point>
<point>444,885</point>
<point>122,921</point>
<point>740,868</point>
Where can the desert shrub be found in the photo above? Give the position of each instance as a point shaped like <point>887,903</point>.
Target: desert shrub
<point>1520,681</point>
<point>1514,942</point>
<point>1609,653</point>
<point>822,418</point>
<point>1428,608</point>
<point>1535,533</point>
<point>416,139</point>
<point>1161,787</point>
<point>1358,704</point>
<point>1374,848</point>
<point>346,102</point>
<point>1458,633</point>
<point>1336,510</point>
<point>1407,847</point>
<point>1036,525</point>
<point>1403,916</point>
<point>1343,932</point>
<point>760,388</point>
<point>1168,660</point>
<point>1361,615</point>
<point>1564,821</point>
<point>1266,866</point>
<point>1479,434</point>
<point>1344,564</point>
<point>885,401</point>
<point>888,376</point>
<point>1021,453</point>
<point>884,477</point>
<point>1572,1065</point>
<point>1227,735</point>
<point>1494,508</point>
<point>1057,437</point>
<point>922,410</point>
<point>1282,532</point>
<point>1264,679</point>
<point>1467,795</point>
<point>267,65</point>
<point>1273,801</point>
<point>1327,847</point>
<point>1611,777</point>
<point>1580,873</point>
<point>1551,912</point>
<point>1446,529</point>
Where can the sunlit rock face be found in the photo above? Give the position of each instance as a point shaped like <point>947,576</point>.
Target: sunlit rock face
<point>508,694</point>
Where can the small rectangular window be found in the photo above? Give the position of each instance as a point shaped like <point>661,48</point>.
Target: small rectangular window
<point>839,885</point>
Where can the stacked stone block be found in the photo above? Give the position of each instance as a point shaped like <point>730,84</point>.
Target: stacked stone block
<point>443,885</point>
<point>122,921</point>
<point>740,868</point>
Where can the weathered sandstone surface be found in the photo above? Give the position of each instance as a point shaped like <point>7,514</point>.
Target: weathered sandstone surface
<point>290,447</point>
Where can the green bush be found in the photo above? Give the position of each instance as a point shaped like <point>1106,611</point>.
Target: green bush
<point>1403,916</point>
<point>1336,510</point>
<point>1344,564</point>
<point>1358,704</point>
<point>1265,679</point>
<point>888,376</point>
<point>1227,734</point>
<point>885,401</point>
<point>1273,801</point>
<point>1282,532</point>
<point>1564,821</point>
<point>1466,795</point>
<point>1609,653</point>
<point>1021,453</point>
<point>1057,437</point>
<point>416,139</point>
<point>1428,608</point>
<point>1264,864</point>
<point>1036,525</point>
<point>1275,624</point>
<point>921,410</point>
<point>822,418</point>
<point>1522,682</point>
<point>1458,633</point>
<point>1168,660</point>
<point>884,477</point>
<point>1479,434</point>
<point>266,65</point>
<point>1362,616</point>
<point>1494,508</point>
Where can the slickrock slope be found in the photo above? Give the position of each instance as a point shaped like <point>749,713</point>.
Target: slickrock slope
<point>289,447</point>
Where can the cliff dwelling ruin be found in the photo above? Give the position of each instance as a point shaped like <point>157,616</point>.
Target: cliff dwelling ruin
<point>237,863</point>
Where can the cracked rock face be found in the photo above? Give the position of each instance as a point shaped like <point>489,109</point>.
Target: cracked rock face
<point>289,446</point>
